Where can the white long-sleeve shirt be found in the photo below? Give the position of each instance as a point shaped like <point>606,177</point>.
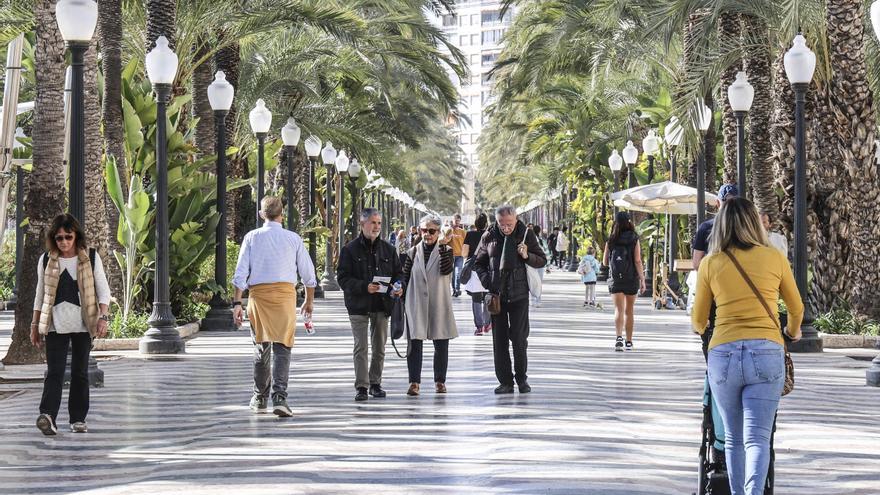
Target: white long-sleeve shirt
<point>273,254</point>
<point>67,312</point>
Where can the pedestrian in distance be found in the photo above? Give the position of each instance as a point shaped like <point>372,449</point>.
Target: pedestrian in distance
<point>475,289</point>
<point>427,272</point>
<point>551,241</point>
<point>562,247</point>
<point>367,271</point>
<point>623,256</point>
<point>271,260</point>
<point>71,307</point>
<point>744,276</point>
<point>776,239</point>
<point>505,251</point>
<point>456,242</point>
<point>588,269</point>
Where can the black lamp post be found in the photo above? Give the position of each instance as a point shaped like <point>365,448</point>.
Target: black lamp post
<point>328,280</point>
<point>220,95</point>
<point>313,149</point>
<point>572,249</point>
<point>651,145</point>
<point>800,63</point>
<point>261,121</point>
<point>162,337</point>
<point>342,164</point>
<point>290,135</point>
<point>740,94</point>
<point>674,134</point>
<point>705,120</point>
<point>354,171</point>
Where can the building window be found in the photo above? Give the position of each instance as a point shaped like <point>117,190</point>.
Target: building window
<point>491,17</point>
<point>464,40</point>
<point>475,39</point>
<point>475,120</point>
<point>489,59</point>
<point>464,139</point>
<point>475,59</point>
<point>492,36</point>
<point>475,138</point>
<point>475,19</point>
<point>449,20</point>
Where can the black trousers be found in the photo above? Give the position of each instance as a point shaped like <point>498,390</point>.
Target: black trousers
<point>511,326</point>
<point>56,361</point>
<point>414,360</point>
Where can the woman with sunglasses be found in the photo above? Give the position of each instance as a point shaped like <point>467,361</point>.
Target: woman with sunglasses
<point>427,273</point>
<point>70,309</point>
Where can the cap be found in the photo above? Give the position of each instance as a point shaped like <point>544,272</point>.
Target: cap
<point>728,191</point>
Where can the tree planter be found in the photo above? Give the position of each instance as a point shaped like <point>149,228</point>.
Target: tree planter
<point>185,331</point>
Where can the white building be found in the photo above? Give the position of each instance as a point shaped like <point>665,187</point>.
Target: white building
<point>476,29</point>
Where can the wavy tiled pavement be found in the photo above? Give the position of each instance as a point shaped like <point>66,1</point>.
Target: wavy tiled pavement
<point>598,422</point>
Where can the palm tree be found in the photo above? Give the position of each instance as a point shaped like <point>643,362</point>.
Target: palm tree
<point>161,21</point>
<point>45,196</point>
<point>729,33</point>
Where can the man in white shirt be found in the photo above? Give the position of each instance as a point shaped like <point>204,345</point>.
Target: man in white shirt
<point>777,240</point>
<point>269,263</point>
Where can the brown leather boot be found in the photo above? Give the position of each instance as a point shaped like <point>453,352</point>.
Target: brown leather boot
<point>441,388</point>
<point>413,389</point>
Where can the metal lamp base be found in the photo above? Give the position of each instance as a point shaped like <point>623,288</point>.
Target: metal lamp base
<point>872,376</point>
<point>329,283</point>
<point>603,274</point>
<point>219,318</point>
<point>162,337</point>
<point>96,375</point>
<point>810,342</point>
<point>319,292</point>
<point>649,289</point>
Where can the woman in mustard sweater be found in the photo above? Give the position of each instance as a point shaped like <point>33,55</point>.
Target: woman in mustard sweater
<point>746,355</point>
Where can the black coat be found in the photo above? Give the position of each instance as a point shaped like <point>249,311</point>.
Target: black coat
<point>358,264</point>
<point>513,286</point>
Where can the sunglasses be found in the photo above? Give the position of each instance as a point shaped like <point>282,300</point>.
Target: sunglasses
<point>429,231</point>
<point>64,237</point>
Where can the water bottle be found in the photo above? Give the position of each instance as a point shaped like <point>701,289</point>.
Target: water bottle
<point>394,288</point>
<point>307,323</point>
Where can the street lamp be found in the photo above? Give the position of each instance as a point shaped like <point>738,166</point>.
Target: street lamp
<point>703,123</point>
<point>342,163</point>
<point>800,63</point>
<point>76,21</point>
<point>162,337</point>
<point>220,96</point>
<point>313,149</point>
<point>354,171</point>
<point>615,162</point>
<point>261,121</point>
<point>740,94</point>
<point>631,156</point>
<point>19,213</point>
<point>673,136</point>
<point>328,280</point>
<point>290,135</point>
<point>651,145</point>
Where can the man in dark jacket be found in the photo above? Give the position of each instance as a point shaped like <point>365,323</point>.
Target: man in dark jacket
<point>505,250</point>
<point>368,301</point>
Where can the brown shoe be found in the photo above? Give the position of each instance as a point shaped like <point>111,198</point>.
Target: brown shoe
<point>413,389</point>
<point>441,388</point>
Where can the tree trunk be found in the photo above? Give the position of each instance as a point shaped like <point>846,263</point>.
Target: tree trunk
<point>201,107</point>
<point>228,59</point>
<point>161,21</point>
<point>757,64</point>
<point>855,120</point>
<point>729,35</point>
<point>45,192</point>
<point>97,231</point>
<point>690,47</point>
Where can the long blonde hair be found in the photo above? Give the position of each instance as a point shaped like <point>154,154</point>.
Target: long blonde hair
<point>738,225</point>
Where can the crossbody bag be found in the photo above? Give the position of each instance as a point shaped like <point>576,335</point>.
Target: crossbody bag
<point>789,364</point>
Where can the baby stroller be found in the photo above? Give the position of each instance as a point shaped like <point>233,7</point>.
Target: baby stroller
<point>712,478</point>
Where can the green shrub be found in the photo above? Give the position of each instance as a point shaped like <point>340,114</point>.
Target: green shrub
<point>206,270</point>
<point>7,262</point>
<point>191,311</point>
<point>843,321</point>
<point>128,328</point>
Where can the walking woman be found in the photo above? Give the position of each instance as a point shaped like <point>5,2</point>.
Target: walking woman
<point>623,256</point>
<point>427,273</point>
<point>482,318</point>
<point>745,277</point>
<point>70,309</point>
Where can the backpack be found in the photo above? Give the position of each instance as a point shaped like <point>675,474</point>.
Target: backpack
<point>585,268</point>
<point>91,259</point>
<point>622,263</point>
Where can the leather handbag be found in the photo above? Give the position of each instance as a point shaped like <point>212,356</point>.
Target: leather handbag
<point>788,386</point>
<point>493,303</point>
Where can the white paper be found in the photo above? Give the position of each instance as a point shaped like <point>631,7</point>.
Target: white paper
<point>384,283</point>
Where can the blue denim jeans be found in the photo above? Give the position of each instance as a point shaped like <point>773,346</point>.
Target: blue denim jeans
<point>459,263</point>
<point>746,378</point>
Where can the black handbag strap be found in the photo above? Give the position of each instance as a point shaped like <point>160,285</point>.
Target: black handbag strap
<point>754,289</point>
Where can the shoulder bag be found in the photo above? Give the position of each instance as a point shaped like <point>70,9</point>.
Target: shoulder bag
<point>789,364</point>
<point>536,285</point>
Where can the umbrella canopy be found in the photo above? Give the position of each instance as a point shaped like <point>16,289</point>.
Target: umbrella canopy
<point>663,197</point>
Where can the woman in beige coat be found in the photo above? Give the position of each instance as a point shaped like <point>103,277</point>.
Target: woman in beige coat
<point>428,303</point>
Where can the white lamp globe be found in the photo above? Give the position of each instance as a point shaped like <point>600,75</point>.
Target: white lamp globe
<point>705,116</point>
<point>354,168</point>
<point>328,154</point>
<point>615,161</point>
<point>290,133</point>
<point>260,117</point>
<point>220,93</point>
<point>19,133</point>
<point>313,146</point>
<point>800,61</point>
<point>76,19</point>
<point>741,93</point>
<point>651,143</point>
<point>342,162</point>
<point>161,63</point>
<point>674,132</point>
<point>630,153</point>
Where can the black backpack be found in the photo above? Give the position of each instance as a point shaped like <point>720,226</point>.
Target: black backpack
<point>622,263</point>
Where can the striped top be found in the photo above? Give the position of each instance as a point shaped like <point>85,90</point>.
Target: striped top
<point>272,254</point>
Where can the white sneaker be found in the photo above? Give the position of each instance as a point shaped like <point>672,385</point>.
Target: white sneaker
<point>79,427</point>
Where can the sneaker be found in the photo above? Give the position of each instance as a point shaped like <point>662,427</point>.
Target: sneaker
<point>258,404</point>
<point>618,345</point>
<point>377,392</point>
<point>46,424</point>
<point>280,408</point>
<point>586,304</point>
<point>79,427</point>
<point>361,394</point>
<point>504,389</point>
<point>629,345</point>
<point>479,331</point>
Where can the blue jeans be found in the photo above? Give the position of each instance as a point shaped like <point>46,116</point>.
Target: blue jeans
<point>459,263</point>
<point>746,378</point>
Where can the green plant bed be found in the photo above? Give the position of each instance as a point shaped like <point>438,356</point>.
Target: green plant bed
<point>843,321</point>
<point>132,327</point>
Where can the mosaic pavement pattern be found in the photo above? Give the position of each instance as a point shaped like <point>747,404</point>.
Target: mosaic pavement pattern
<point>597,422</point>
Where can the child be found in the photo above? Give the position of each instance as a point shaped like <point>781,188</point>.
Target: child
<point>588,269</point>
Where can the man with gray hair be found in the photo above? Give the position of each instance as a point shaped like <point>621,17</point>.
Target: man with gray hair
<point>368,267</point>
<point>504,252</point>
